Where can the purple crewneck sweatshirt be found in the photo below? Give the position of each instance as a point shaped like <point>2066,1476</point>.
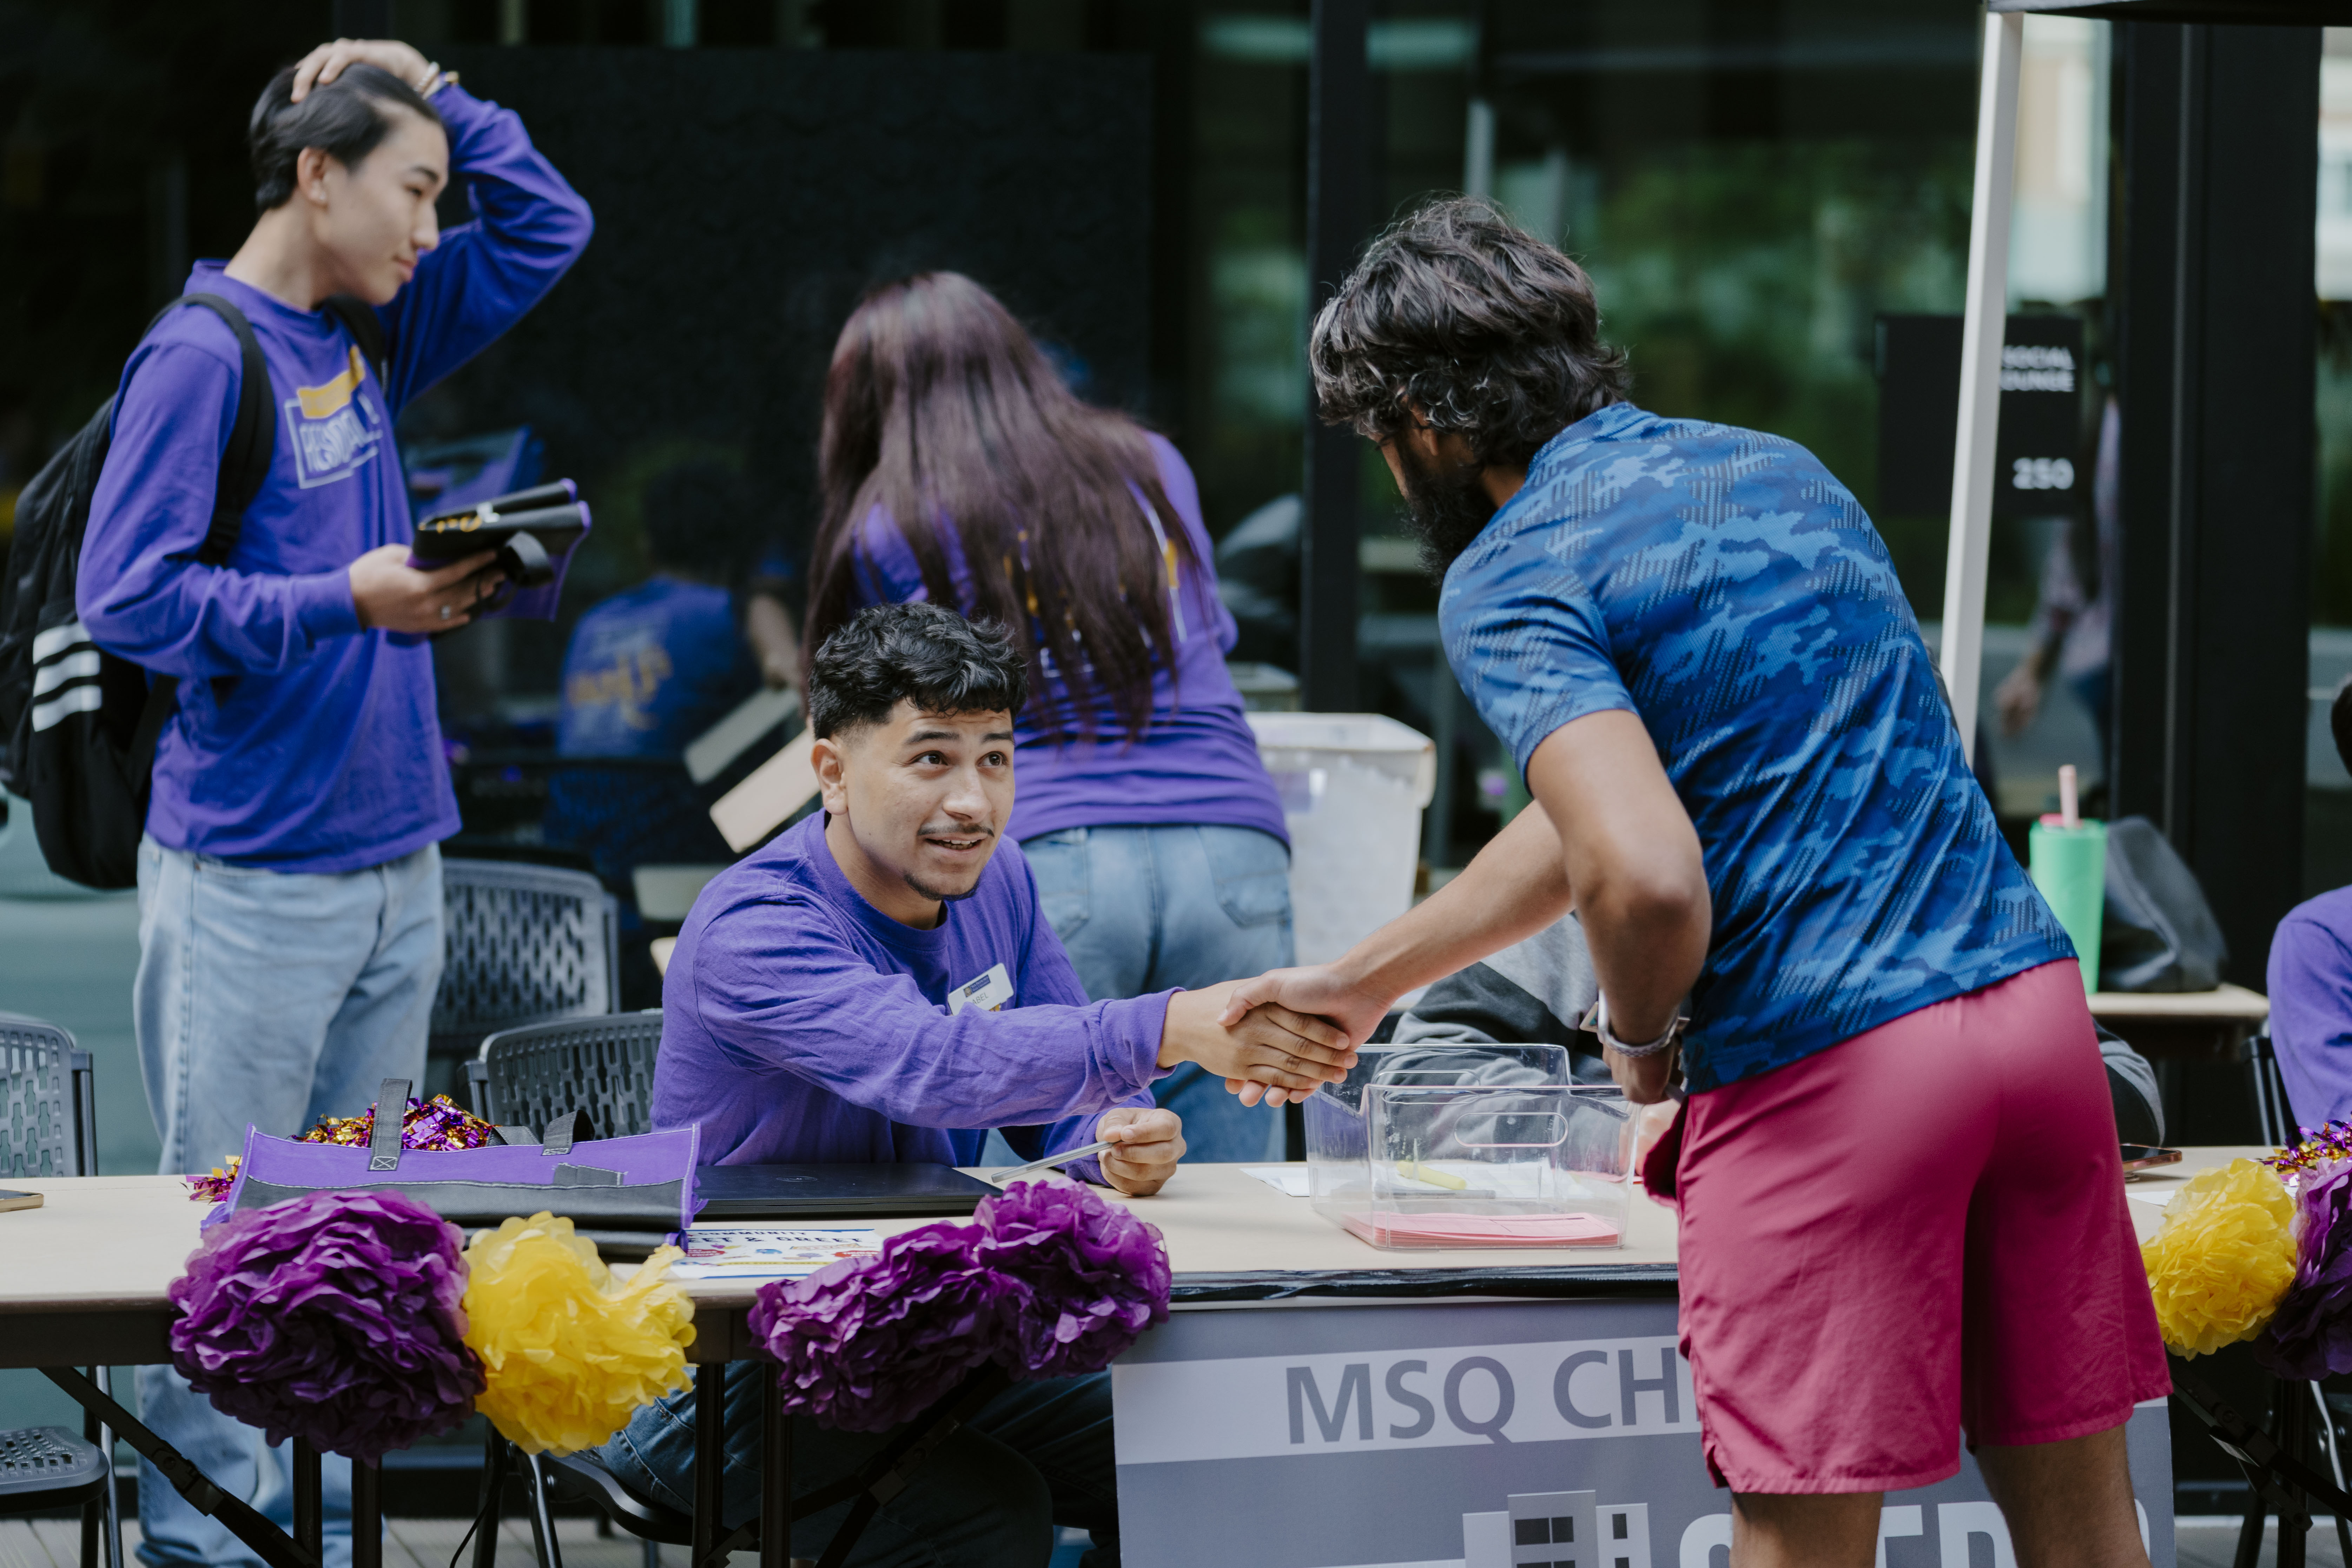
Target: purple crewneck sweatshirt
<point>1197,765</point>
<point>801,1025</point>
<point>303,742</point>
<point>2311,1006</point>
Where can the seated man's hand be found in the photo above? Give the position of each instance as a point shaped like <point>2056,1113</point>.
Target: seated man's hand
<point>1150,1145</point>
<point>1269,1043</point>
<point>1322,991</point>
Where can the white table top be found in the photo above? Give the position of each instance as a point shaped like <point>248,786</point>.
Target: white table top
<point>2166,1180</point>
<point>108,1246</point>
<point>99,1253</point>
<point>2226,1004</point>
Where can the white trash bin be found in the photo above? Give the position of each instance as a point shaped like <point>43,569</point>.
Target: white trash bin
<point>1353,787</point>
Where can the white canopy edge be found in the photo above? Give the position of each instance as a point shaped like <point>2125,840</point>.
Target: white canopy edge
<point>1985,323</point>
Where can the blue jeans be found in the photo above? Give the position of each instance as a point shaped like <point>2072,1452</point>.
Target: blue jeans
<point>274,999</point>
<point>1038,1456</point>
<point>1145,908</point>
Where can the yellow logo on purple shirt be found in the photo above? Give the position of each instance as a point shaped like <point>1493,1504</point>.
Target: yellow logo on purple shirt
<point>333,429</point>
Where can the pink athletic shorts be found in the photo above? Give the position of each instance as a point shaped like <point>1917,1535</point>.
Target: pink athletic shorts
<point>1919,1229</point>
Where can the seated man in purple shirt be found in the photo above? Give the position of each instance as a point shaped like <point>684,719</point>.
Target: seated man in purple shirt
<point>879,984</point>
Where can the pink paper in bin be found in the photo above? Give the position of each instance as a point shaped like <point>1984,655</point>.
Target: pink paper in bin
<point>1482,1230</point>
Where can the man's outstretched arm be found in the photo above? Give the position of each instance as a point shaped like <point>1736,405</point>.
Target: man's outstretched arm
<point>1626,859</point>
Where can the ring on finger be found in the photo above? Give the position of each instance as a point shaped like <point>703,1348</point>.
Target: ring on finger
<point>447,612</point>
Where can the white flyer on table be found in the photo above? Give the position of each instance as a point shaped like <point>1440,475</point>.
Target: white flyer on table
<point>770,1251</point>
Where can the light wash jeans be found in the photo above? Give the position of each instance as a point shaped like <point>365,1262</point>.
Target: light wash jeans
<point>274,999</point>
<point>1037,1456</point>
<point>1144,909</point>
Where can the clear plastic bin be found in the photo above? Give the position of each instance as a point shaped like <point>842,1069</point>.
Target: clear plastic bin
<point>1470,1146</point>
<point>1352,788</point>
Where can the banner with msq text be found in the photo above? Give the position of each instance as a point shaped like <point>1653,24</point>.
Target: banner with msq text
<point>1472,1434</point>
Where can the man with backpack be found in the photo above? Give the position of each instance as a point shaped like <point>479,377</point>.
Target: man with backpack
<point>290,880</point>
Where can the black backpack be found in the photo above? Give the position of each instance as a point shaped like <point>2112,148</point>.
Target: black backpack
<point>80,725</point>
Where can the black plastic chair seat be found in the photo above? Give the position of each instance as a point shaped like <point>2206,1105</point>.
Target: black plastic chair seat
<point>641,1517</point>
<point>43,1467</point>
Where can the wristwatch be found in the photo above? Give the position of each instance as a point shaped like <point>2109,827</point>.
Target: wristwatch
<point>1596,1021</point>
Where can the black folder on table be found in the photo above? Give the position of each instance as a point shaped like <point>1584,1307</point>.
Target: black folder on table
<point>744,1194</point>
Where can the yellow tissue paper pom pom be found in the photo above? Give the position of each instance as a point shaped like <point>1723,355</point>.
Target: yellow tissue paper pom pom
<point>569,1355</point>
<point>2223,1259</point>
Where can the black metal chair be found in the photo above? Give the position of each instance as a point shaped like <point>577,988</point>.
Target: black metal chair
<point>524,944</point>
<point>539,1073</point>
<point>2272,1107</point>
<point>48,1128</point>
<point>528,1075</point>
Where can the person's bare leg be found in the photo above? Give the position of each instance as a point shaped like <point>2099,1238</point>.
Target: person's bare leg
<point>1804,1530</point>
<point>2069,1505</point>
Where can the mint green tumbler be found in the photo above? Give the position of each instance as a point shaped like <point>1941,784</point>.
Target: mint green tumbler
<point>2070,866</point>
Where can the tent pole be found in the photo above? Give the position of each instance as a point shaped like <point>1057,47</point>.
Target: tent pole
<point>1980,339</point>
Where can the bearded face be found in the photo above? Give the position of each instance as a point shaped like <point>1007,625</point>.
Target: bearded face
<point>1445,507</point>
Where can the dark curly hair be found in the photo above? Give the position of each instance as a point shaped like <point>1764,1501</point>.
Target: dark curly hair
<point>1491,332</point>
<point>924,653</point>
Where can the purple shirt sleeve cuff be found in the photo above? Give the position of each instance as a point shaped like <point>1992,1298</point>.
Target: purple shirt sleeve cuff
<point>461,111</point>
<point>323,606</point>
<point>1131,1029</point>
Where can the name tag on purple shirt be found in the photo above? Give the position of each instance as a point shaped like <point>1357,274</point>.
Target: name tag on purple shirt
<point>989,992</point>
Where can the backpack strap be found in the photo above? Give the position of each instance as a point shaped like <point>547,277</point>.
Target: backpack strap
<point>245,463</point>
<point>252,440</point>
<point>366,327</point>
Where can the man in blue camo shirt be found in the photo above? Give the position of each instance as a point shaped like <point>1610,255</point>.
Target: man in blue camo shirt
<point>1897,1170</point>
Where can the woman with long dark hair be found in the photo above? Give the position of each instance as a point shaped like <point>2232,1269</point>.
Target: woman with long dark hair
<point>956,465</point>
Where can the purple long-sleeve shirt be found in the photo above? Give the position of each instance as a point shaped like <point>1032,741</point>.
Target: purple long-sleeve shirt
<point>2311,1006</point>
<point>1197,765</point>
<point>801,1025</point>
<point>303,742</point>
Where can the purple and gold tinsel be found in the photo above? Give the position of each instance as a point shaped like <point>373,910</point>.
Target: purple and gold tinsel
<point>437,1124</point>
<point>2320,1147</point>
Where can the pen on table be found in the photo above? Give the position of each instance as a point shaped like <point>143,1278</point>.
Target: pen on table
<point>1004,1178</point>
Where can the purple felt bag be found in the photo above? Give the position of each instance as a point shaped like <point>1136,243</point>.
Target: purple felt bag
<point>624,1194</point>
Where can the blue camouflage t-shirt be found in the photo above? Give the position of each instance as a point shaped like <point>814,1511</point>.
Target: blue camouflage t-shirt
<point>1720,585</point>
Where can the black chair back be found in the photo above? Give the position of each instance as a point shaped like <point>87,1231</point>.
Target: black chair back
<point>48,1115</point>
<point>527,1077</point>
<point>523,942</point>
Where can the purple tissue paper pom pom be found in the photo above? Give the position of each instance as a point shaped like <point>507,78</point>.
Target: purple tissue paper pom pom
<point>332,1317</point>
<point>1090,1276</point>
<point>2311,1336</point>
<point>1051,1281</point>
<point>870,1343</point>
